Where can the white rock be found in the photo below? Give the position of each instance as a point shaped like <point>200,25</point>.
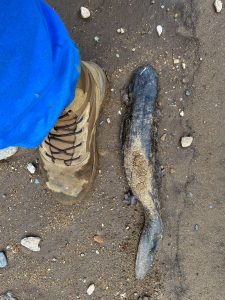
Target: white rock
<point>85,12</point>
<point>121,30</point>
<point>218,5</point>
<point>90,289</point>
<point>176,61</point>
<point>31,168</point>
<point>182,113</point>
<point>7,152</point>
<point>31,243</point>
<point>186,141</point>
<point>183,66</point>
<point>108,120</point>
<point>159,29</point>
<point>97,39</point>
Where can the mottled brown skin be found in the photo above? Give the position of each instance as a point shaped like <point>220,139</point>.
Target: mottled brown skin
<point>139,162</point>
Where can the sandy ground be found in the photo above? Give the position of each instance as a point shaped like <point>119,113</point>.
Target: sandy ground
<point>190,263</point>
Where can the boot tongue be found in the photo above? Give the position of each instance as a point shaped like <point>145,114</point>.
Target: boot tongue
<point>79,103</point>
<point>82,94</point>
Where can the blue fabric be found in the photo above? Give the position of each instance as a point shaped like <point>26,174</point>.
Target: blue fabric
<point>39,69</point>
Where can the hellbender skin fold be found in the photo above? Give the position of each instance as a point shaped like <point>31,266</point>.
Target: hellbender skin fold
<point>139,162</point>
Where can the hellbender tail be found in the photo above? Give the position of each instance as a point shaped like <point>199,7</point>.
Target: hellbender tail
<point>139,162</point>
<point>148,245</point>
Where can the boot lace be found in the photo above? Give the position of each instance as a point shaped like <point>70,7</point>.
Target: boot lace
<point>71,130</point>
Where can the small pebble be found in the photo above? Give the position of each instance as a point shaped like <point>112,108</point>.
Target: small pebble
<point>123,296</point>
<point>130,199</point>
<point>31,243</point>
<point>185,80</point>
<point>182,113</point>
<point>163,137</point>
<point>97,252</point>
<point>121,30</point>
<point>90,289</point>
<point>85,12</point>
<point>172,171</point>
<point>82,255</point>
<point>7,296</point>
<point>119,112</point>
<point>183,65</point>
<point>133,49</point>
<point>3,260</point>
<point>187,93</point>
<point>176,61</point>
<point>186,141</point>
<point>98,239</point>
<point>31,168</point>
<point>108,120</point>
<point>117,55</point>
<point>97,39</point>
<point>36,181</point>
<point>218,4</point>
<point>159,29</point>
<point>133,200</point>
<point>197,227</point>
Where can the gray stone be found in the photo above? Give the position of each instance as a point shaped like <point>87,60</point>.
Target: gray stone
<point>197,227</point>
<point>31,243</point>
<point>36,181</point>
<point>3,260</point>
<point>188,93</point>
<point>31,168</point>
<point>7,296</point>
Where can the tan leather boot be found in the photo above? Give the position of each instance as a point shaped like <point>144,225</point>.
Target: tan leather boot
<point>69,154</point>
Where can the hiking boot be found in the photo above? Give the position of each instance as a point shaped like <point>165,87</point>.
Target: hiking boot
<point>69,154</point>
